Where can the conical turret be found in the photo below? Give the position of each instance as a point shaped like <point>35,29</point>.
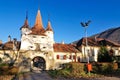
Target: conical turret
<point>38,22</point>
<point>26,24</point>
<point>49,28</point>
<point>38,26</point>
<point>49,32</point>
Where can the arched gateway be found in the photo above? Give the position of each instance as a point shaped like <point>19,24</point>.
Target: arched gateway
<point>39,62</point>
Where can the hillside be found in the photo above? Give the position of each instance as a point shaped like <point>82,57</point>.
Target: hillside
<point>112,34</point>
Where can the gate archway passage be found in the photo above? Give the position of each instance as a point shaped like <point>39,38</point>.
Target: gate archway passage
<point>39,62</point>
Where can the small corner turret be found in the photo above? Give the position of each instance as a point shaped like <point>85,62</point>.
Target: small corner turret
<point>49,31</point>
<point>25,29</point>
<point>49,28</point>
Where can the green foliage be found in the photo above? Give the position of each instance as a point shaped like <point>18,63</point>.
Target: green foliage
<point>76,70</point>
<point>104,56</point>
<point>0,60</point>
<point>69,70</point>
<point>103,68</point>
<point>107,68</point>
<point>53,73</point>
<point>3,64</point>
<point>65,72</point>
<point>96,68</point>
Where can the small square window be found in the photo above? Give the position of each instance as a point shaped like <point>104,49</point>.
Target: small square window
<point>42,37</point>
<point>44,47</point>
<point>34,36</point>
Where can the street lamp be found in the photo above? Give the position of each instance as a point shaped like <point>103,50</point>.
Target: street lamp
<point>85,25</point>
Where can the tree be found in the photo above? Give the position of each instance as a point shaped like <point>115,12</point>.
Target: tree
<point>11,58</point>
<point>103,55</point>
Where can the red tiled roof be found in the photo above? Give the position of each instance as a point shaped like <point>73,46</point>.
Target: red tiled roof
<point>9,45</point>
<point>64,48</point>
<point>97,42</point>
<point>36,31</point>
<point>109,43</point>
<point>26,25</point>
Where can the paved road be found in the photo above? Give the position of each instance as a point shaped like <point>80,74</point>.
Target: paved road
<point>44,76</point>
<point>34,76</point>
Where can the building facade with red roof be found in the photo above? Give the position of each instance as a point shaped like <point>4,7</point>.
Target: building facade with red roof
<point>92,49</point>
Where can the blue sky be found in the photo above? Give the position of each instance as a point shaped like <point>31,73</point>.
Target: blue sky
<point>65,17</point>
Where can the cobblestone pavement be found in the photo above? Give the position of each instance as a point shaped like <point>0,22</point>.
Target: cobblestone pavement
<point>44,76</point>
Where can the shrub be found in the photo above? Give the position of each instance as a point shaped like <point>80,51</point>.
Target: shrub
<point>69,70</point>
<point>64,73</point>
<point>13,70</point>
<point>6,70</point>
<point>96,68</point>
<point>53,73</point>
<point>1,60</point>
<point>3,64</point>
<point>104,55</point>
<point>104,68</point>
<point>75,70</point>
<point>78,68</point>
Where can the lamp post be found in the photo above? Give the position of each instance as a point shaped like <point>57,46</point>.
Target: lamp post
<point>85,25</point>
